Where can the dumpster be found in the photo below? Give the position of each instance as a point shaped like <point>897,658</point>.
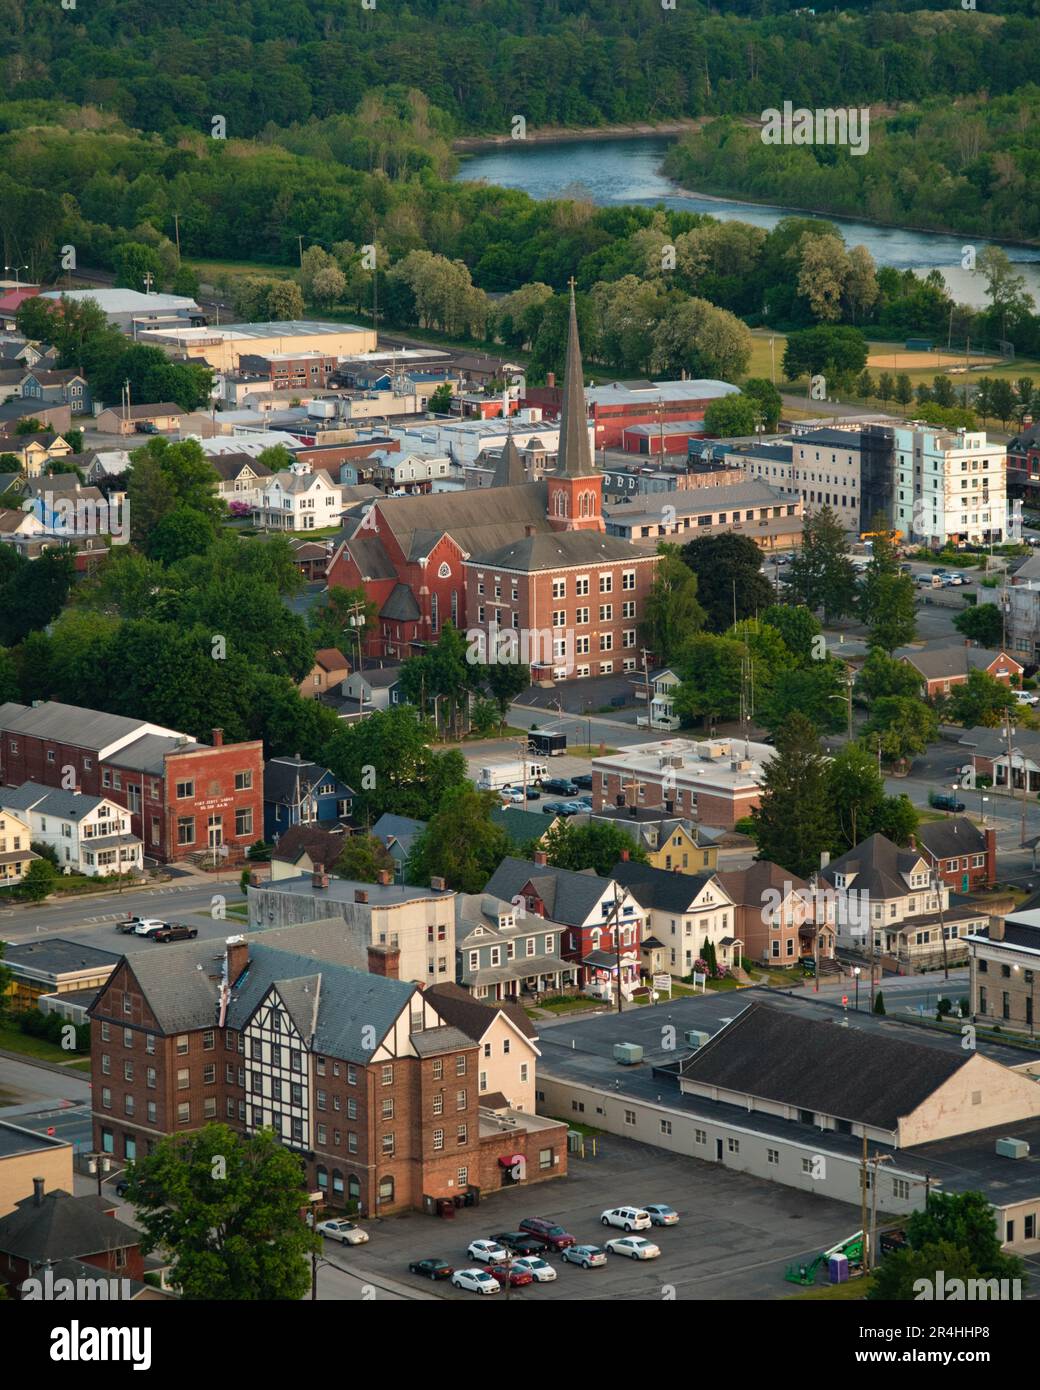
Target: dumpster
<point>446,1207</point>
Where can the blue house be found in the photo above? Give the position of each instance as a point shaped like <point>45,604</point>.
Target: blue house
<point>302,793</point>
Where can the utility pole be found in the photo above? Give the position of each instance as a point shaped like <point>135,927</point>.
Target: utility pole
<point>863,1203</point>
<point>937,881</point>
<point>149,280</point>
<point>177,232</point>
<point>300,240</point>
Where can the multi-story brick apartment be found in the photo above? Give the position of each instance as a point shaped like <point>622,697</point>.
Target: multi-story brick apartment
<point>714,782</point>
<point>962,854</point>
<point>526,570</point>
<point>355,1071</point>
<point>183,797</point>
<point>774,914</point>
<point>417,922</point>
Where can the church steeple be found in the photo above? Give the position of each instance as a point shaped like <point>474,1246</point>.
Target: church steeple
<point>575,459</point>
<point>509,468</point>
<point>575,491</point>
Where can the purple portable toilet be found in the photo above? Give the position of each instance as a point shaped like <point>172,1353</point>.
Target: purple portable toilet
<point>838,1269</point>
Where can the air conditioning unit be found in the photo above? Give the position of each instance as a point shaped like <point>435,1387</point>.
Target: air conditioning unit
<point>628,1054</point>
<point>695,1037</point>
<point>1011,1148</point>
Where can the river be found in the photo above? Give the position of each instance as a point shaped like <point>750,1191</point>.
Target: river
<point>629,171</point>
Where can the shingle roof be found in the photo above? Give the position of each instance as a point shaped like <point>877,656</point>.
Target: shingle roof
<point>748,886</point>
<point>369,554</point>
<point>941,659</point>
<point>522,826</point>
<point>551,549</point>
<point>659,888</point>
<point>822,1067</point>
<point>403,829</point>
<point>473,1017</point>
<point>476,524</point>
<point>432,1041</point>
<point>330,659</point>
<point>288,780</point>
<point>63,1227</point>
<point>50,801</point>
<point>953,836</point>
<point>323,846</point>
<point>568,896</point>
<point>401,606</point>
<point>878,866</point>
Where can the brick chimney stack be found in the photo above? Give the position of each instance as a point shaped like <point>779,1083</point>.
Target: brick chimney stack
<point>991,857</point>
<point>218,738</point>
<point>319,878</point>
<point>384,961</point>
<point>625,855</point>
<point>996,929</point>
<point>361,895</point>
<point>385,877</point>
<point>541,857</point>
<point>236,950</point>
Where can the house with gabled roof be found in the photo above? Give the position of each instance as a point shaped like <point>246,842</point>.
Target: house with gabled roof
<point>889,901</point>
<point>90,835</point>
<point>503,952</point>
<point>689,913</point>
<point>298,792</point>
<point>506,1037</point>
<point>603,923</point>
<point>397,835</point>
<point>943,664</point>
<point>330,669</point>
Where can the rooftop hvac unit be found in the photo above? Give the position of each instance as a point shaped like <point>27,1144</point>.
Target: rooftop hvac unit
<point>695,1038</point>
<point>1008,1148</point>
<point>628,1054</point>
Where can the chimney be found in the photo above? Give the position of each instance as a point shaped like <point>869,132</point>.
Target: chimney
<point>218,738</point>
<point>385,877</point>
<point>319,878</point>
<point>254,879</point>
<point>996,929</point>
<point>550,379</point>
<point>37,1192</point>
<point>625,856</point>
<point>385,961</point>
<point>437,884</point>
<point>361,895</point>
<point>991,858</point>
<point>825,858</point>
<point>913,842</point>
<point>528,529</point>
<point>236,953</point>
<point>541,857</point>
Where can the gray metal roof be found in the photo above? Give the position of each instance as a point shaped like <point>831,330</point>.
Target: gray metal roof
<point>148,753</point>
<point>569,896</point>
<point>49,801</point>
<point>433,1041</point>
<point>82,728</point>
<point>554,549</point>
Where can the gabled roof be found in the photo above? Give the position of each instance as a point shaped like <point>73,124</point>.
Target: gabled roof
<point>550,549</point>
<point>569,896</point>
<point>403,829</point>
<point>472,1017</point>
<point>943,658</point>
<point>49,801</point>
<point>474,522</point>
<point>955,835</point>
<point>369,554</point>
<point>228,467</point>
<point>323,846</point>
<point>401,606</point>
<point>330,659</point>
<point>522,826</point>
<point>288,780</point>
<point>878,866</point>
<point>660,888</point>
<point>820,1066</point>
<point>747,887</point>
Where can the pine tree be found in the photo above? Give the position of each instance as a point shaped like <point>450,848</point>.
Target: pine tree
<point>795,819</point>
<point>879,1003</point>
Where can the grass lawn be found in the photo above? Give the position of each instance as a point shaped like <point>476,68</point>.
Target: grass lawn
<point>586,1130</point>
<point>850,1292</point>
<point>208,270</point>
<point>14,1040</point>
<point>239,911</point>
<point>589,750</point>
<point>568,1006</point>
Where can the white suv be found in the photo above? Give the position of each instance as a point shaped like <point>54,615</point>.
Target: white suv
<point>628,1218</point>
<point>147,925</point>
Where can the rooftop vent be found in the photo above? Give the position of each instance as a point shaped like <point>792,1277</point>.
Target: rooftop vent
<point>1012,1148</point>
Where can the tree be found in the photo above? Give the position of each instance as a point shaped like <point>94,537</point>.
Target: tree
<point>983,623</point>
<point>730,583</point>
<point>710,671</point>
<point>879,1002</point>
<point>329,286</point>
<point>887,607</point>
<point>277,458</point>
<point>768,399</point>
<point>440,401</point>
<point>1025,398</point>
<point>904,1274</point>
<point>886,388</point>
<point>30,425</point>
<point>284,301</point>
<point>671,612</point>
<point>865,386</point>
<point>954,1234</point>
<point>39,879</point>
<point>979,701</point>
<point>34,593</point>
<point>800,629</point>
<point>597,846</point>
<point>904,392</point>
<point>816,690</point>
<point>882,675</point>
<point>857,791</point>
<point>821,574</point>
<point>1002,399</point>
<point>362,857</point>
<point>164,476</point>
<point>794,821</point>
<point>461,843</point>
<point>181,532</point>
<point>138,267</point>
<point>731,416</point>
<point>228,1209</point>
<point>902,727</point>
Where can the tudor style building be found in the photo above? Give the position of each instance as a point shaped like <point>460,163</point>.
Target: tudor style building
<point>355,1071</point>
<point>529,567</point>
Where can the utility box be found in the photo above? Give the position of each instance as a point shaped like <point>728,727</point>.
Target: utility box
<point>628,1054</point>
<point>695,1038</point>
<point>1011,1148</point>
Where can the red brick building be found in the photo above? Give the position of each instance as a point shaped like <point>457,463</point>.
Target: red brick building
<point>183,797</point>
<point>961,852</point>
<point>528,565</point>
<point>356,1072</point>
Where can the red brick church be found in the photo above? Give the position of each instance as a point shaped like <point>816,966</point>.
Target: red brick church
<point>526,563</point>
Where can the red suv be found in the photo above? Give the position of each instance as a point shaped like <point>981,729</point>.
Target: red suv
<point>551,1235</point>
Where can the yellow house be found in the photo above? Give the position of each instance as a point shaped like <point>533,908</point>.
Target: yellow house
<point>678,851</point>
<point>15,854</point>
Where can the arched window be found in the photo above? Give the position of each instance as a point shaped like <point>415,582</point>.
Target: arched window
<point>354,1188</point>
<point>323,1177</point>
<point>337,1183</point>
<point>560,502</point>
<point>386,1189</point>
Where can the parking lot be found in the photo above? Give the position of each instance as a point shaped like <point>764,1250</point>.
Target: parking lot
<point>735,1234</point>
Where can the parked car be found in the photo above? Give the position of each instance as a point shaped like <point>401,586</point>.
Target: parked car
<point>541,1271</point>
<point>574,808</point>
<point>516,1278</point>
<point>431,1269</point>
<point>512,796</point>
<point>662,1215</point>
<point>533,794</point>
<point>588,1256</point>
<point>346,1232</point>
<point>628,1218</point>
<point>562,786</point>
<point>555,808</point>
<point>476,1281</point>
<point>1026,697</point>
<point>148,925</point>
<point>519,1242</point>
<point>635,1247</point>
<point>487,1251</point>
<point>943,801</point>
<point>174,933</point>
<point>121,1186</point>
<point>548,1232</point>
<point>583,780</point>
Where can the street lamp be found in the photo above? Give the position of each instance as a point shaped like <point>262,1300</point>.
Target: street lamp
<point>856,973</point>
<point>16,269</point>
<point>99,1166</point>
<point>982,808</point>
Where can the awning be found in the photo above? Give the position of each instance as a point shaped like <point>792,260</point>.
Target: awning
<point>510,1160</point>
